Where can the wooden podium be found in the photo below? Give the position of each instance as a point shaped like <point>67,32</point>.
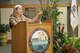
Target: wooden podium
<point>32,38</point>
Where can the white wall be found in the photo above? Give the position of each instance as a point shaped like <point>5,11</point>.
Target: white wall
<point>63,17</point>
<point>79,21</point>
<point>5,15</point>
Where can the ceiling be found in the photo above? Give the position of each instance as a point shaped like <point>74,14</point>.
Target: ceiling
<point>5,1</point>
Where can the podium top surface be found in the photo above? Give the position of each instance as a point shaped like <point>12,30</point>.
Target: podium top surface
<point>24,23</point>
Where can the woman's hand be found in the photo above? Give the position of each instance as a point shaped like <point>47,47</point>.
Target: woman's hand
<point>40,12</point>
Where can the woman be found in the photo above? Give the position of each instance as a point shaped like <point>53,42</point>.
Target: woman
<point>18,16</point>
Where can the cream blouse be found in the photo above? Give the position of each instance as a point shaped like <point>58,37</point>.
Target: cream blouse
<point>14,20</point>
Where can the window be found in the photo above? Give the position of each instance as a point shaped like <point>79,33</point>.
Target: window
<point>30,12</point>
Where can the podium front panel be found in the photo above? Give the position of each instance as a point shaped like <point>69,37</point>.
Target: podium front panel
<point>39,38</point>
<point>32,38</point>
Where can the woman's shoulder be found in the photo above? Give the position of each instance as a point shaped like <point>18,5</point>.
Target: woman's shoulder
<point>12,17</point>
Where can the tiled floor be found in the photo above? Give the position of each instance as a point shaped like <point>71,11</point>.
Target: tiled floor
<point>5,49</point>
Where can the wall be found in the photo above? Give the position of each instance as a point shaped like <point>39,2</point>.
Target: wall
<point>63,17</point>
<point>5,15</point>
<point>79,21</point>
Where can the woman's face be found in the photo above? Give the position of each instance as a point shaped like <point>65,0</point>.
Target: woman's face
<point>19,10</point>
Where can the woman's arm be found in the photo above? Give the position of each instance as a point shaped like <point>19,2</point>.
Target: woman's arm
<point>35,18</point>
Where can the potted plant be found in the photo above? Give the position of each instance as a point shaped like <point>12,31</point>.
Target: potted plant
<point>51,12</point>
<point>65,44</point>
<point>4,28</point>
<point>61,42</point>
<point>71,44</point>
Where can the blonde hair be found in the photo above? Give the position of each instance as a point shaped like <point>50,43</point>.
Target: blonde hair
<point>15,8</point>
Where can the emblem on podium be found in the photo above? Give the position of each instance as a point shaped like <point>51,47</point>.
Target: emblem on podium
<point>39,40</point>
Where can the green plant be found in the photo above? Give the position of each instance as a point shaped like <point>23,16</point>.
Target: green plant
<point>65,44</point>
<point>44,16</point>
<point>52,12</point>
<point>58,40</point>
<point>4,28</point>
<point>72,43</point>
<point>57,35</point>
<point>61,41</point>
<point>55,13</point>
